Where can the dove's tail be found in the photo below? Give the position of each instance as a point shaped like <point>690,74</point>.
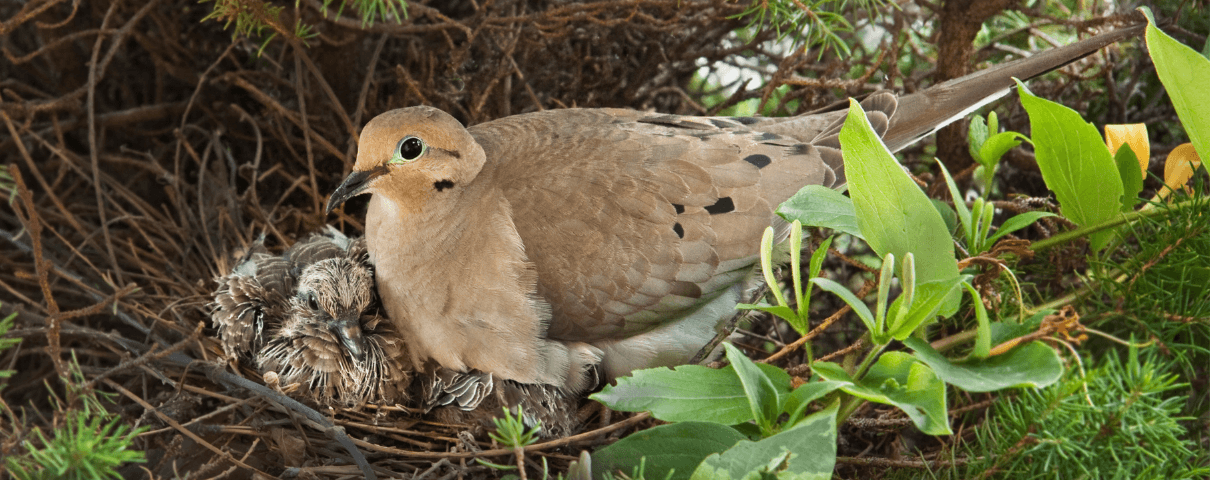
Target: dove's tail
<point>920,114</point>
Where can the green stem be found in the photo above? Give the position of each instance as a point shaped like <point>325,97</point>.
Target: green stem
<point>851,404</point>
<point>1107,224</point>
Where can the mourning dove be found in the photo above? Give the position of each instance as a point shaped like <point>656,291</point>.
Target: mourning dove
<point>309,318</point>
<point>305,316</point>
<point>535,246</point>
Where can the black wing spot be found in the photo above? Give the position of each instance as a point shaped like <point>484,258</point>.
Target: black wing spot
<point>760,160</point>
<point>800,149</point>
<point>746,120</point>
<point>679,208</point>
<point>721,123</point>
<point>443,184</point>
<point>680,231</point>
<point>723,205</point>
<point>768,136</point>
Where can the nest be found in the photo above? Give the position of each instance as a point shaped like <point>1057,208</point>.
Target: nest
<point>147,146</point>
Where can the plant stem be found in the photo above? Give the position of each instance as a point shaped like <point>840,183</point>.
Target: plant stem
<point>1107,224</point>
<point>853,402</point>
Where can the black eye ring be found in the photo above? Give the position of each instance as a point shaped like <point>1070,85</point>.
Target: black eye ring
<point>409,148</point>
<point>312,302</point>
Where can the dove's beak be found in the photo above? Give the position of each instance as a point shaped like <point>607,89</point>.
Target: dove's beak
<point>348,330</point>
<point>355,184</point>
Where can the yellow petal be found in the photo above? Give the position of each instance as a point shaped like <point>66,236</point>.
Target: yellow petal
<point>1134,134</point>
<point>1179,167</point>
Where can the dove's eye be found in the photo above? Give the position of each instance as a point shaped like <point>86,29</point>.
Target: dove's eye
<point>312,303</point>
<point>409,149</point>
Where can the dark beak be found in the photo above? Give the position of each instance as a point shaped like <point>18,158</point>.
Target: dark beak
<point>348,330</point>
<point>355,184</point>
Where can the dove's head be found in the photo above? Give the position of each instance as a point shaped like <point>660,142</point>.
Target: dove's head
<point>331,298</point>
<point>332,344</point>
<point>411,155</point>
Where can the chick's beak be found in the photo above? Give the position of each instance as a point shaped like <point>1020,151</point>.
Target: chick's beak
<point>355,184</point>
<point>348,330</point>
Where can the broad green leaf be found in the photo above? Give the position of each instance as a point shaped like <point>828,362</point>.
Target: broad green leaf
<point>1132,178</point>
<point>1017,222</point>
<point>762,395</point>
<point>689,392</point>
<point>859,306</point>
<point>801,398</point>
<point>1183,72</point>
<point>1030,365</point>
<point>804,452</point>
<point>679,446</point>
<point>894,215</point>
<point>1075,164</point>
<point>929,298</point>
<point>820,206</point>
<point>998,145</point>
<point>901,380</point>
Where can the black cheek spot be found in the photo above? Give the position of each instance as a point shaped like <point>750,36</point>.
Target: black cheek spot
<point>723,205</point>
<point>679,208</point>
<point>443,184</point>
<point>680,231</point>
<point>760,160</point>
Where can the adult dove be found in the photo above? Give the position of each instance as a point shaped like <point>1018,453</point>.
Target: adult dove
<point>538,245</point>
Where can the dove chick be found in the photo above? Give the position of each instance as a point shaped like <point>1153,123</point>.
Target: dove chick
<point>306,316</point>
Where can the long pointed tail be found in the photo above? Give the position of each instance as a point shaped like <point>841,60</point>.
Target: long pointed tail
<point>922,113</point>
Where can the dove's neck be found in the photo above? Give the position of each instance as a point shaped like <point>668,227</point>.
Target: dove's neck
<point>455,281</point>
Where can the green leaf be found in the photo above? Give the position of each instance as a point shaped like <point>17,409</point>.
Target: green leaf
<point>805,452</point>
<point>1183,72</point>
<point>823,207</point>
<point>785,313</point>
<point>1132,177</point>
<point>964,213</point>
<point>926,305</point>
<point>689,392</point>
<point>947,214</point>
<point>859,307</point>
<point>998,145</point>
<point>801,398</point>
<point>893,213</point>
<point>983,334</point>
<point>1030,365</point>
<point>976,136</point>
<point>679,448</point>
<point>762,395</point>
<point>1020,221</point>
<point>818,256</point>
<point>901,380</point>
<point>1075,164</point>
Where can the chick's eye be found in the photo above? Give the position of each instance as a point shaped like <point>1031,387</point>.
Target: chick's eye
<point>409,149</point>
<point>312,303</point>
